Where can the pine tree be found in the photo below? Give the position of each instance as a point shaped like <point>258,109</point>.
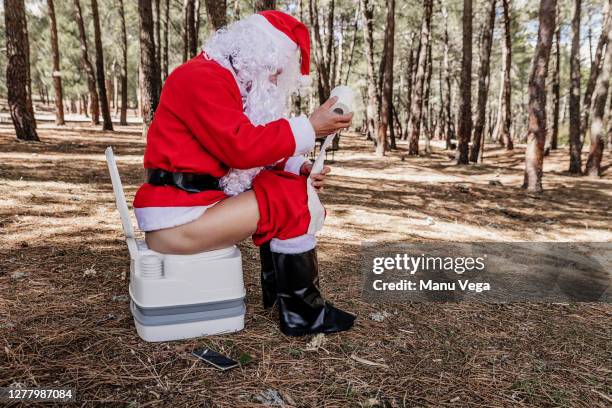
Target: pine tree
<point>17,70</point>
<point>536,137</point>
<point>124,67</point>
<point>149,86</point>
<point>504,116</point>
<point>464,130</point>
<point>574,95</point>
<point>483,81</point>
<point>57,75</point>
<point>386,105</point>
<point>593,165</point>
<point>217,13</point>
<point>556,88</point>
<point>416,114</point>
<point>261,5</point>
<point>89,71</point>
<point>106,117</point>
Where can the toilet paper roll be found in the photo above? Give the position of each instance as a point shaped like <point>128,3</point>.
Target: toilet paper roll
<point>344,104</point>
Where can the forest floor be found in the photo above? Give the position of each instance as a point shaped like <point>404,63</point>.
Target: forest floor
<point>65,322</point>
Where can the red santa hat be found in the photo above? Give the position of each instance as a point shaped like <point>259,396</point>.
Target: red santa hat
<point>288,32</point>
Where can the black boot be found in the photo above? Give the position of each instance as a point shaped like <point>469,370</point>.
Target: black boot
<point>268,280</point>
<point>302,309</point>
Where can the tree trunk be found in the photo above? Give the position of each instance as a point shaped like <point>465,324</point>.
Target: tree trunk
<point>353,42</point>
<point>441,128</point>
<point>149,85</point>
<point>387,81</point>
<point>379,80</point>
<point>426,125</point>
<point>57,75</point>
<point>610,124</point>
<point>416,110</point>
<point>41,89</point>
<point>103,98</point>
<point>484,73</point>
<point>367,9</point>
<point>189,30</point>
<point>536,137</point>
<point>115,90</point>
<point>17,70</point>
<point>329,51</point>
<point>593,166</point>
<point>94,107</point>
<point>297,98</point>
<point>261,5</point>
<point>398,123</point>
<point>339,52</point>
<point>29,103</point>
<point>504,116</point>
<point>196,38</point>
<point>574,95</point>
<point>217,13</point>
<point>124,68</point>
<point>322,49</point>
<point>595,69</point>
<point>409,83</point>
<point>448,131</point>
<point>157,32</point>
<point>236,10</point>
<point>85,105</point>
<point>164,49</point>
<point>590,42</point>
<point>556,89</point>
<point>464,130</point>
<point>109,93</point>
<point>412,80</point>
<point>317,49</point>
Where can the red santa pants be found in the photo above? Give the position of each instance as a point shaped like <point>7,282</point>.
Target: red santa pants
<point>284,213</point>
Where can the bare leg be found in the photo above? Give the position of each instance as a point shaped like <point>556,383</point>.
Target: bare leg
<point>223,225</point>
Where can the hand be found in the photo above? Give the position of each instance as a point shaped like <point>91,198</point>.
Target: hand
<point>318,180</point>
<point>325,122</point>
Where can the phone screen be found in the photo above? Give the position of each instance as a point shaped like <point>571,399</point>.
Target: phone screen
<point>212,357</point>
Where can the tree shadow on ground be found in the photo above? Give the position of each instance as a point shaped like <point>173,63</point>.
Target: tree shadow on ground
<point>507,207</point>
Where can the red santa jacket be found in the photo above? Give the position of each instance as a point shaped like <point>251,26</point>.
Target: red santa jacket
<point>200,127</point>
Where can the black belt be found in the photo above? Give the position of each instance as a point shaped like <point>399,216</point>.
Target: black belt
<point>190,182</point>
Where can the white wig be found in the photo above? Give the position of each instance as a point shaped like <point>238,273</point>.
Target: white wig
<point>253,55</point>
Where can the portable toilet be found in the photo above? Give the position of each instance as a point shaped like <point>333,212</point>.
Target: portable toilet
<point>177,297</point>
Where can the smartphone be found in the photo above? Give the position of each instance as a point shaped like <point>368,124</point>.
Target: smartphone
<point>215,359</point>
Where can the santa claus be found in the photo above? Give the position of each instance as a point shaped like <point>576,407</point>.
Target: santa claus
<point>223,163</point>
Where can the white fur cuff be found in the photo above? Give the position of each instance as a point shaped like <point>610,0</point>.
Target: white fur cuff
<point>294,164</point>
<point>303,133</point>
<point>295,245</point>
<point>156,218</point>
